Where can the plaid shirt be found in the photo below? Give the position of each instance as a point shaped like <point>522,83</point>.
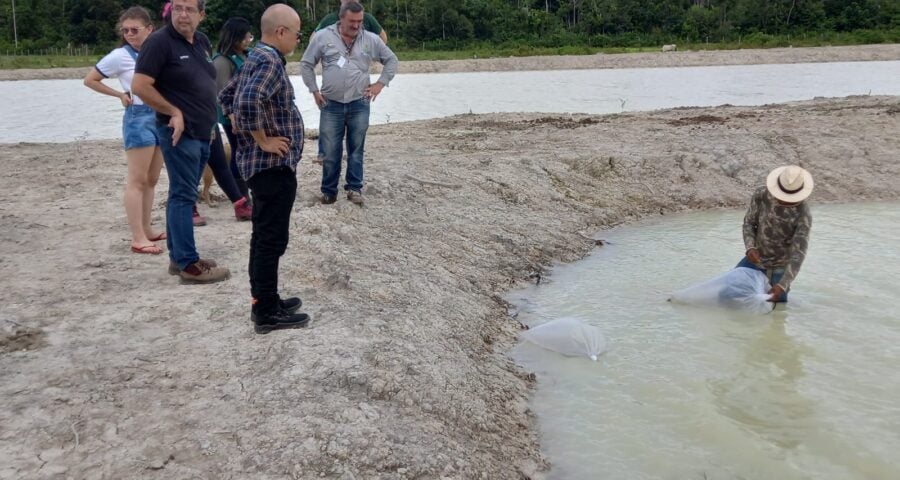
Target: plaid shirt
<point>262,98</point>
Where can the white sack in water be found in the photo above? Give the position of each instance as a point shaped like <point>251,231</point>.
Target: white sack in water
<point>741,289</point>
<point>568,336</point>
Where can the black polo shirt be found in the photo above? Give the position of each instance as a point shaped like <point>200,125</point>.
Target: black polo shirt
<point>184,75</point>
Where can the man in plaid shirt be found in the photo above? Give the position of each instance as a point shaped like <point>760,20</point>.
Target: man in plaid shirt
<point>260,100</point>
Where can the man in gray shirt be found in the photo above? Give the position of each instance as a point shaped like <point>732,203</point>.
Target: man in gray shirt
<point>346,52</point>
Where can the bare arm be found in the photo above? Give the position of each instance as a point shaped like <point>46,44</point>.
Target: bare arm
<point>143,87</point>
<point>93,80</point>
<point>383,35</point>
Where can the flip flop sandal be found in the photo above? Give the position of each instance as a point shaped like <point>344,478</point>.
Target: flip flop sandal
<point>161,236</point>
<point>148,249</point>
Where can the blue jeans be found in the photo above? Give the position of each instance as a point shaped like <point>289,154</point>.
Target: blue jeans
<point>335,120</point>
<point>773,274</point>
<point>139,127</point>
<point>183,164</point>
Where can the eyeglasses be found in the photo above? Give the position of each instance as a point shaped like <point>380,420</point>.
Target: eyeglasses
<point>298,33</point>
<point>178,10</point>
<point>131,30</point>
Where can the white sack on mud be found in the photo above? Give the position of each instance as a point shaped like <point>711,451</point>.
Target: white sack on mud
<point>742,288</point>
<point>568,336</point>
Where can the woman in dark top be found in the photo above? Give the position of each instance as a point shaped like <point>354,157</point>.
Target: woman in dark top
<point>234,43</point>
<point>228,178</point>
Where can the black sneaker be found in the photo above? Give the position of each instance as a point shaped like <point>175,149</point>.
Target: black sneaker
<point>278,320</point>
<point>290,304</point>
<point>326,200</point>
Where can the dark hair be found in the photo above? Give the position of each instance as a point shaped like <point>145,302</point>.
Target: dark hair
<point>167,9</point>
<point>353,7</point>
<point>135,13</point>
<point>233,32</point>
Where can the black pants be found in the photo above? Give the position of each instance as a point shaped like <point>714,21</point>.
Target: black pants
<point>273,191</point>
<point>235,172</point>
<point>221,171</point>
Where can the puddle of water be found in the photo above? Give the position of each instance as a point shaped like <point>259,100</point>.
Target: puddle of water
<point>808,392</point>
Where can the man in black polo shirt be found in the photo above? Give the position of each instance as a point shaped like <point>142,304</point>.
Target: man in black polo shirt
<point>175,76</point>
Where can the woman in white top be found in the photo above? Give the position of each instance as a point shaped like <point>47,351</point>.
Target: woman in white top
<point>138,128</point>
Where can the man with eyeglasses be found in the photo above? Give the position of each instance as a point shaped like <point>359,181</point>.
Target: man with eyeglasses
<point>175,76</point>
<point>346,52</point>
<point>260,100</point>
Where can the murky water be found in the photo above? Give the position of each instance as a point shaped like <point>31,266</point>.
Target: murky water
<point>808,392</point>
<point>65,110</point>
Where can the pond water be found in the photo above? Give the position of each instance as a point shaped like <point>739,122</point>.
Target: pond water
<point>807,392</point>
<point>65,110</point>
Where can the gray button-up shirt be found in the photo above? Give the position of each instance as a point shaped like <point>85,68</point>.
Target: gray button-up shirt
<point>345,72</point>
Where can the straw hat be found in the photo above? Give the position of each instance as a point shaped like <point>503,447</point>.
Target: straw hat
<point>790,184</point>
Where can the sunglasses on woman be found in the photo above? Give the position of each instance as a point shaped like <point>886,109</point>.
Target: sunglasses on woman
<point>131,30</point>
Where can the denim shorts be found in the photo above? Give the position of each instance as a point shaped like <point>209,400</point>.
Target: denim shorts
<point>139,127</point>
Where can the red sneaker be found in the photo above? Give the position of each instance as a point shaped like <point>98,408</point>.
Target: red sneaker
<point>243,210</point>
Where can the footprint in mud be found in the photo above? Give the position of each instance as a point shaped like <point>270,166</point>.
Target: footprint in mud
<point>22,338</point>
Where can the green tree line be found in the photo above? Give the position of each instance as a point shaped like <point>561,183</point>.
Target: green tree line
<point>454,24</point>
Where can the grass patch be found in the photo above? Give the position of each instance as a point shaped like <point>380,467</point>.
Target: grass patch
<point>10,62</point>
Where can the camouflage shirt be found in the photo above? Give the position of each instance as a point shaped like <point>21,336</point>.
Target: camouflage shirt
<point>779,233</point>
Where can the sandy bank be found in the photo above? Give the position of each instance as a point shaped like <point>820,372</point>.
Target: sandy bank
<point>111,369</point>
<point>579,62</point>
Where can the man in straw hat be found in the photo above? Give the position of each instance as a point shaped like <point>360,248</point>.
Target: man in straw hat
<point>776,228</point>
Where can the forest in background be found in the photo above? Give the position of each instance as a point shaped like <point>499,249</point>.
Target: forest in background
<point>509,26</point>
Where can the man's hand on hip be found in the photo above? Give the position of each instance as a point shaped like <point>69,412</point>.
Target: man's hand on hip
<point>320,99</point>
<point>373,91</point>
<point>277,145</point>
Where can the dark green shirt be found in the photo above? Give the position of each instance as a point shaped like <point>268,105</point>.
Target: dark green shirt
<point>369,22</point>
